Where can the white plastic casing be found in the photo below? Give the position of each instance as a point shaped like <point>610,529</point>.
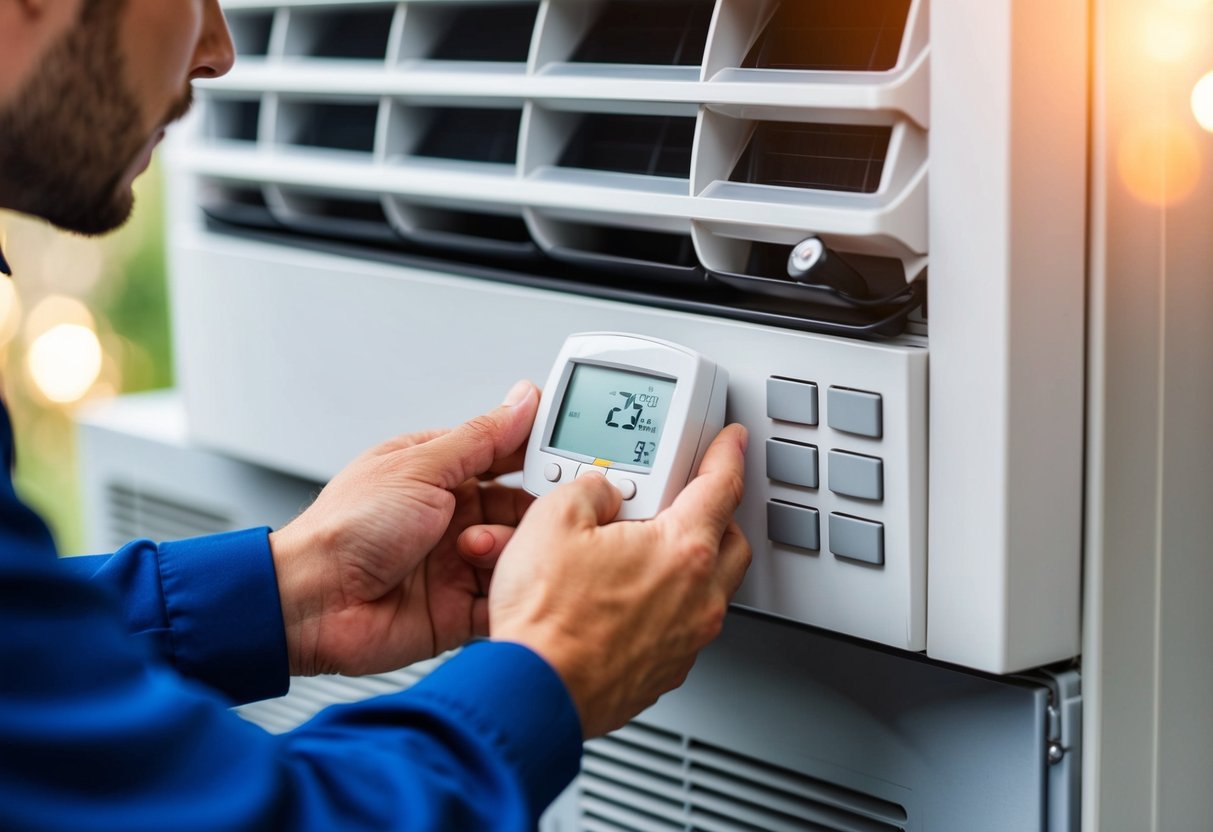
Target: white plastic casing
<point>694,417</point>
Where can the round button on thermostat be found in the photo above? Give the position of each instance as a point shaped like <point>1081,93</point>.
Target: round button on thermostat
<point>552,472</point>
<point>627,488</point>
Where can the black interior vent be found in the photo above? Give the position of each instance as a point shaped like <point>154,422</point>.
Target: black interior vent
<point>251,32</point>
<point>336,126</point>
<point>471,232</point>
<point>355,34</point>
<point>826,157</point>
<point>647,145</point>
<point>648,32</point>
<point>630,252</point>
<point>488,33</point>
<point>853,36</point>
<point>339,216</point>
<point>471,135</point>
<point>235,119</point>
<point>238,204</point>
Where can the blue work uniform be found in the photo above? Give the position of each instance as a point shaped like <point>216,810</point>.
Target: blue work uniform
<point>117,672</point>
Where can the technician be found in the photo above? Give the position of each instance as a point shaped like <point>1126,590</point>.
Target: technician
<point>117,672</point>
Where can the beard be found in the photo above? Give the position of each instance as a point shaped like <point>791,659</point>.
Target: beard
<point>69,138</point>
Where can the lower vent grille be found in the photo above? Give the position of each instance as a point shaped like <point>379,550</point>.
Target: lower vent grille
<point>645,145</point>
<point>642,779</point>
<point>135,513</point>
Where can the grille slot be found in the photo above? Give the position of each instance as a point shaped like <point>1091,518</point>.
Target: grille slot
<point>480,32</point>
<point>332,125</point>
<point>136,513</point>
<point>640,778</point>
<point>648,32</point>
<point>238,204</point>
<point>251,31</point>
<point>234,119</point>
<point>352,34</point>
<point>471,135</point>
<point>467,231</point>
<point>825,157</point>
<point>630,252</point>
<point>337,215</point>
<point>858,36</point>
<point>644,145</point>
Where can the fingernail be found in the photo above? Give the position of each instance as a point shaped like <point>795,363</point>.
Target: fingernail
<point>517,394</point>
<point>745,438</point>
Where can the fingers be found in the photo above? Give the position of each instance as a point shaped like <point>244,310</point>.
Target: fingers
<point>709,501</point>
<point>734,560</point>
<point>589,500</point>
<point>475,446</point>
<point>482,545</point>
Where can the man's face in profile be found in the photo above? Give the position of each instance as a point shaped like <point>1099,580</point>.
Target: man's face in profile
<point>72,138</point>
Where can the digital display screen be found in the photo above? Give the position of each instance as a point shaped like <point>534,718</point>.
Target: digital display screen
<point>612,414</point>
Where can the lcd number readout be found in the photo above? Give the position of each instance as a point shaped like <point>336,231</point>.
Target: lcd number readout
<point>612,415</point>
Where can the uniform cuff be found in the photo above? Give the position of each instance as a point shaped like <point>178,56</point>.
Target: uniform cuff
<point>519,702</point>
<point>224,613</point>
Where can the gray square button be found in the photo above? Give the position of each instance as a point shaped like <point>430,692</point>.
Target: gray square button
<point>793,525</point>
<point>792,462</point>
<point>857,539</point>
<point>790,400</point>
<point>856,475</point>
<point>854,411</point>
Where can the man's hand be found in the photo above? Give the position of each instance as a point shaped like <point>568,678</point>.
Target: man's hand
<point>369,577</point>
<point>620,610</point>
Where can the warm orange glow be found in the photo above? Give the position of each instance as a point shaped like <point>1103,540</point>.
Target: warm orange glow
<point>53,310</point>
<point>1169,37</point>
<point>1189,5</point>
<point>10,311</point>
<point>64,362</point>
<point>1202,101</point>
<point>1159,163</point>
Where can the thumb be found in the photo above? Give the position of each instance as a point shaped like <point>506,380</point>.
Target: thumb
<point>471,449</point>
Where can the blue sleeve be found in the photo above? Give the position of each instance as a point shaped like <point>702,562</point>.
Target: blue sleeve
<point>99,732</point>
<point>208,606</point>
<point>96,733</point>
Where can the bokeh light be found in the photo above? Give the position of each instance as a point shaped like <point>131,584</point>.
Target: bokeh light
<point>54,310</point>
<point>64,362</point>
<point>1159,163</point>
<point>1202,101</point>
<point>10,311</point>
<point>1169,37</point>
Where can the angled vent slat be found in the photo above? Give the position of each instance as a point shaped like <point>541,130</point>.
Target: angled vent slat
<point>654,32</point>
<point>643,145</point>
<point>827,157</point>
<point>357,33</point>
<point>641,775</point>
<point>856,36</point>
<point>603,799</point>
<point>251,31</point>
<point>235,119</point>
<point>331,125</point>
<point>471,134</point>
<point>483,32</point>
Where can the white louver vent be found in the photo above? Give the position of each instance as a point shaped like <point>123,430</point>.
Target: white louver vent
<point>135,513</point>
<point>674,149</point>
<point>309,695</point>
<point>642,779</point>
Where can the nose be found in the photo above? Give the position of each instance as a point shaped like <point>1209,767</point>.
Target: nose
<point>215,54</point>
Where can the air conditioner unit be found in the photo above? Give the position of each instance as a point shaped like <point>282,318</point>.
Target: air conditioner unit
<point>893,743</point>
<point>985,425</point>
<point>390,210</point>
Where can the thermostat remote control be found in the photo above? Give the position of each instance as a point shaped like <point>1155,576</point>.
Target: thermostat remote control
<point>640,410</point>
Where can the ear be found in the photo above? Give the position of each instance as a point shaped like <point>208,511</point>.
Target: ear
<point>27,29</point>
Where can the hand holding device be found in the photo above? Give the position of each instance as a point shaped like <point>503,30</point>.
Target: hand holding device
<point>369,576</point>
